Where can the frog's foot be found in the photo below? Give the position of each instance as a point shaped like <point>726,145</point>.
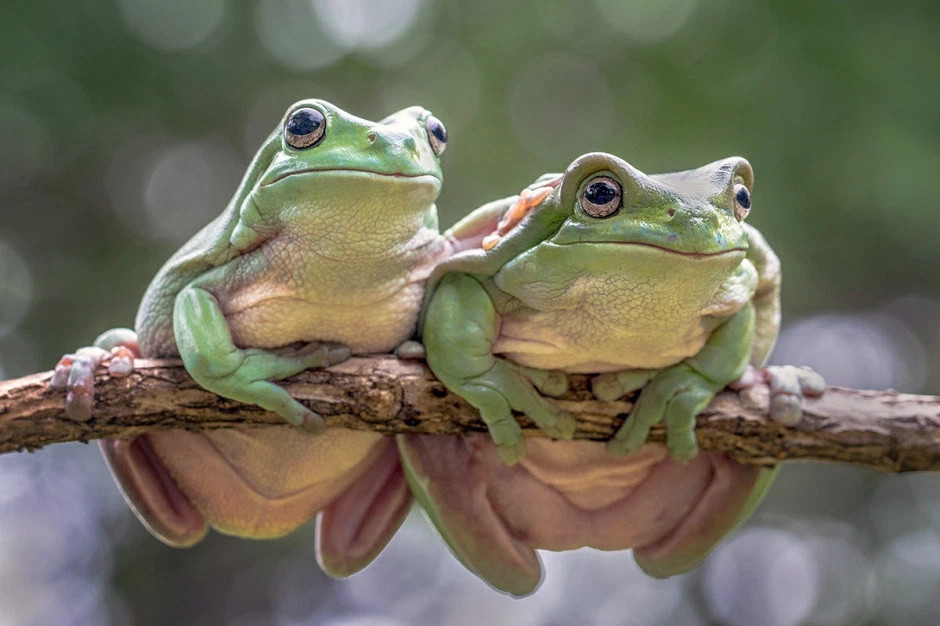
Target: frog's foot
<point>411,350</point>
<point>788,386</point>
<point>358,524</point>
<point>674,395</point>
<point>507,387</point>
<point>75,373</point>
<point>612,386</point>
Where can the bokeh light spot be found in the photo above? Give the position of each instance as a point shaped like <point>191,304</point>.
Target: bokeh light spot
<point>172,25</point>
<point>761,576</point>
<point>867,350</point>
<point>291,33</point>
<point>561,106</point>
<point>366,23</point>
<point>646,21</point>
<point>16,288</point>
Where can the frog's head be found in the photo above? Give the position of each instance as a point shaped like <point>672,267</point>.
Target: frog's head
<point>322,162</point>
<point>696,213</point>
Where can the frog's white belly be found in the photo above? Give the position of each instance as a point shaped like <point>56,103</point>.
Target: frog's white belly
<point>370,305</point>
<point>628,312</point>
<point>576,341</point>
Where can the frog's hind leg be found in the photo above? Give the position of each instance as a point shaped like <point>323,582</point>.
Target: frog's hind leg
<point>151,492</point>
<point>732,494</point>
<point>357,525</point>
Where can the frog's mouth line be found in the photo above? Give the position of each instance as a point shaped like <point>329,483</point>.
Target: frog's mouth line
<point>350,170</point>
<point>691,255</point>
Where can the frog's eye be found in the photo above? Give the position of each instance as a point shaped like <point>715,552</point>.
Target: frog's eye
<point>601,197</point>
<point>437,135</point>
<point>304,128</point>
<point>742,202</point>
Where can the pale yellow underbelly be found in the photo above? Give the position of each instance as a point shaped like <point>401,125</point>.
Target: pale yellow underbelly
<point>571,342</point>
<point>368,327</point>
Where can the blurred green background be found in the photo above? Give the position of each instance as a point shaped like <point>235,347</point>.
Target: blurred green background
<point>126,124</point>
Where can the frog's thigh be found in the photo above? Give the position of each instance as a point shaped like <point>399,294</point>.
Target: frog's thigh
<point>264,482</point>
<point>358,524</point>
<point>730,496</point>
<point>450,483</point>
<point>151,493</point>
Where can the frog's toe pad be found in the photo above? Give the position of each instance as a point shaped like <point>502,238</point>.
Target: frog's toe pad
<point>788,386</point>
<point>605,387</point>
<point>511,453</point>
<point>555,384</point>
<point>411,350</point>
<point>122,362</point>
<point>313,423</point>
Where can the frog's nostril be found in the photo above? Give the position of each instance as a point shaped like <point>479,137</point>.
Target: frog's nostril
<point>371,136</point>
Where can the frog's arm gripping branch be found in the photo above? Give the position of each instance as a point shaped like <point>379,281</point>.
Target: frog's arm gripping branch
<point>881,430</point>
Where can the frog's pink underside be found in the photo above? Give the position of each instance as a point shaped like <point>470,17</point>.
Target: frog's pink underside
<point>265,483</point>
<point>565,495</point>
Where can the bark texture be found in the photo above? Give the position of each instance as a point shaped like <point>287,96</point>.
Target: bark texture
<point>881,430</point>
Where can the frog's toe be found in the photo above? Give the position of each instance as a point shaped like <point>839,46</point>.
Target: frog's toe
<point>511,453</point>
<point>75,373</point>
<point>682,447</point>
<point>317,354</point>
<point>788,386</point>
<point>411,350</point>
<point>509,440</point>
<point>313,423</point>
<point>786,408</point>
<point>563,426</point>
<point>611,386</point>
<point>627,439</point>
<point>121,363</point>
<point>554,383</point>
<point>680,422</point>
<point>605,387</point>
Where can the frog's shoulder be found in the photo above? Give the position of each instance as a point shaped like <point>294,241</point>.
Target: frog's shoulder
<point>499,231</point>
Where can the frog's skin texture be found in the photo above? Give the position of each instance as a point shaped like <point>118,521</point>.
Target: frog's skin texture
<point>659,286</point>
<point>323,252</point>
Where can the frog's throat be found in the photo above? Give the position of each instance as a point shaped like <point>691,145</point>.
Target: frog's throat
<point>351,170</point>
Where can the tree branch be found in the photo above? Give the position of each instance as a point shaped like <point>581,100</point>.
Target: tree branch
<point>881,430</point>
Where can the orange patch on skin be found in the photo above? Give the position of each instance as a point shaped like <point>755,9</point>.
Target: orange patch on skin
<point>528,200</point>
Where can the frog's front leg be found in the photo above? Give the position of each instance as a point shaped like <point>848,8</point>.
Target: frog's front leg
<point>212,359</point>
<point>676,394</point>
<point>460,328</point>
<point>75,373</point>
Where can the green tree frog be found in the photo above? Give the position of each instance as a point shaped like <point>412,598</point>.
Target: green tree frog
<point>651,282</point>
<point>322,252</point>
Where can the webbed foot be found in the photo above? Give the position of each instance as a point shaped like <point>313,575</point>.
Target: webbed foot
<point>75,372</point>
<point>788,386</point>
<point>675,395</point>
<point>507,387</point>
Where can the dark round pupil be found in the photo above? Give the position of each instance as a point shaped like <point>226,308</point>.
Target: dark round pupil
<point>600,193</point>
<point>437,129</point>
<point>743,198</point>
<point>304,122</point>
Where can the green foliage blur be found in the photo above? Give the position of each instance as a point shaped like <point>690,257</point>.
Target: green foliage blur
<point>126,124</point>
